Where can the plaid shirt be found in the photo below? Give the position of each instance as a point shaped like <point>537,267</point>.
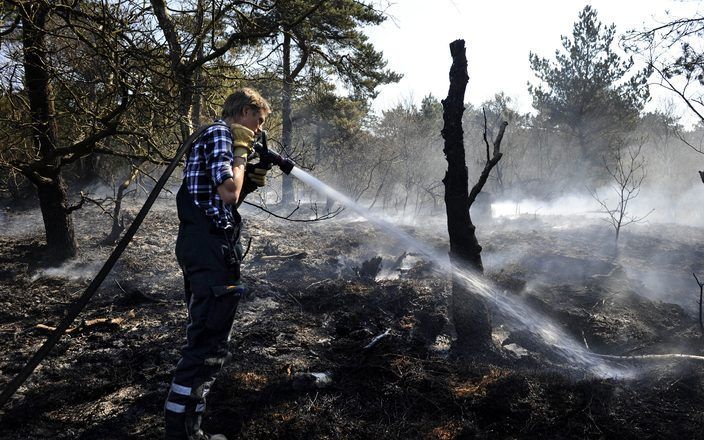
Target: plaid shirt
<point>208,165</point>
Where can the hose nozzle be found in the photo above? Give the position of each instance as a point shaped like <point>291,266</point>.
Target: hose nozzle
<point>267,156</point>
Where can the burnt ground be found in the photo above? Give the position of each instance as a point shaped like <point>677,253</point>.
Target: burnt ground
<point>315,306</point>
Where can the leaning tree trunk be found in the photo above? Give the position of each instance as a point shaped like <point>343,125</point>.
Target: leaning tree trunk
<point>46,172</point>
<point>469,312</point>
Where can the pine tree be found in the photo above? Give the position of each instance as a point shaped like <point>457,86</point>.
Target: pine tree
<point>323,41</point>
<point>586,92</point>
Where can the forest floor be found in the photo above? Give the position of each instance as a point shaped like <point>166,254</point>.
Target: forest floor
<point>315,307</point>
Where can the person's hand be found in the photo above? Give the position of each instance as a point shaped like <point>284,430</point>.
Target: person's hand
<point>256,173</point>
<point>242,140</point>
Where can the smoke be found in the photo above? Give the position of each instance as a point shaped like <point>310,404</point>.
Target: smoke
<point>680,208</point>
<point>73,270</point>
<point>658,254</point>
<point>652,205</point>
<point>14,223</point>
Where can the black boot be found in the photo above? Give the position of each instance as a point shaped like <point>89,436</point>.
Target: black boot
<point>174,426</point>
<point>193,421</point>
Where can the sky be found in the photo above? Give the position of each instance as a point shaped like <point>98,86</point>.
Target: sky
<point>499,36</point>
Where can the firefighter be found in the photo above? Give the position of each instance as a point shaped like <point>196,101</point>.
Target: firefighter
<point>216,180</point>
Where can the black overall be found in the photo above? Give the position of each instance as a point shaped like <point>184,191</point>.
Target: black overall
<point>210,259</point>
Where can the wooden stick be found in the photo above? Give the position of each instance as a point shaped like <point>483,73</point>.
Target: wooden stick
<point>377,339</point>
<point>83,326</point>
<point>297,256</point>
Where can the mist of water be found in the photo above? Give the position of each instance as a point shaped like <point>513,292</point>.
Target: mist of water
<point>573,353</point>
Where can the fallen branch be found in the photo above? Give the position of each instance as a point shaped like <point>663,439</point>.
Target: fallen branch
<point>377,339</point>
<point>317,218</point>
<point>85,326</point>
<point>653,356</point>
<point>297,256</point>
<point>584,338</point>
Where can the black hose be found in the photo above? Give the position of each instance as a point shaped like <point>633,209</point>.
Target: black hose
<point>81,302</point>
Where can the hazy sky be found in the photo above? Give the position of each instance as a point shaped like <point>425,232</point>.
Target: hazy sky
<point>499,36</point>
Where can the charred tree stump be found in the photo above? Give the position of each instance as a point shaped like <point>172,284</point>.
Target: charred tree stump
<point>469,311</point>
<point>701,293</point>
<point>118,223</point>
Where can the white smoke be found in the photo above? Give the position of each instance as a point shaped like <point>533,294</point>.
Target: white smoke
<point>71,270</point>
<point>653,205</point>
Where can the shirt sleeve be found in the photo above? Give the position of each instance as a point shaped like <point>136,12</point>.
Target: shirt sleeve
<point>218,154</point>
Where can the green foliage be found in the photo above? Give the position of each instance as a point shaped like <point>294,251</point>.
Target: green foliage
<point>329,39</point>
<point>328,126</point>
<point>586,92</point>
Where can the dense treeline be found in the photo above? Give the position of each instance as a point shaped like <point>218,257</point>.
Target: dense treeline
<point>93,90</point>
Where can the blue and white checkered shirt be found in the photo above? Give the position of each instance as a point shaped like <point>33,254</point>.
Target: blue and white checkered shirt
<point>208,165</point>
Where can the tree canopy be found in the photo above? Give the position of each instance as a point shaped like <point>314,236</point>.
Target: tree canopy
<point>586,92</point>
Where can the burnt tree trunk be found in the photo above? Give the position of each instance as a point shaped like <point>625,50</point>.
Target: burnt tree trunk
<point>183,74</point>
<point>288,195</point>
<point>198,93</point>
<point>469,311</point>
<point>701,297</point>
<point>118,223</point>
<point>58,222</point>
<point>53,199</point>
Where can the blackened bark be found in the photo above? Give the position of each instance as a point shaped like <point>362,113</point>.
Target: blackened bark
<point>182,73</point>
<point>198,93</point>
<point>58,223</point>
<point>37,79</point>
<point>118,224</point>
<point>287,190</point>
<point>186,86</point>
<point>701,297</point>
<point>53,199</point>
<point>469,312</point>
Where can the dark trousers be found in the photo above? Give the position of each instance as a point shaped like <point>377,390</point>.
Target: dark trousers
<point>210,262</point>
<point>211,312</point>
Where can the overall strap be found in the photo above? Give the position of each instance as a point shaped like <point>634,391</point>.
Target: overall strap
<point>197,134</point>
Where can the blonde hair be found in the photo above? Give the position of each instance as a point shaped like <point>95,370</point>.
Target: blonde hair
<point>240,99</point>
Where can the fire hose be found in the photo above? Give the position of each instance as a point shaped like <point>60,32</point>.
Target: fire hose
<point>266,156</point>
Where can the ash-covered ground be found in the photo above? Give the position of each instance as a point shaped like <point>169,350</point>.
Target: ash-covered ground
<point>300,368</point>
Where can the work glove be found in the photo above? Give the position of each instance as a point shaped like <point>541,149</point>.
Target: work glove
<point>242,140</point>
<point>256,173</point>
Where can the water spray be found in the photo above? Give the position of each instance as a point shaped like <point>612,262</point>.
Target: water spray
<point>537,323</point>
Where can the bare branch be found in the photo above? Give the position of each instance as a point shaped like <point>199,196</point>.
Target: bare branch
<point>317,218</point>
<point>490,164</point>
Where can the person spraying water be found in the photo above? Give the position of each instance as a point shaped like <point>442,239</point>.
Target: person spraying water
<point>520,313</point>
